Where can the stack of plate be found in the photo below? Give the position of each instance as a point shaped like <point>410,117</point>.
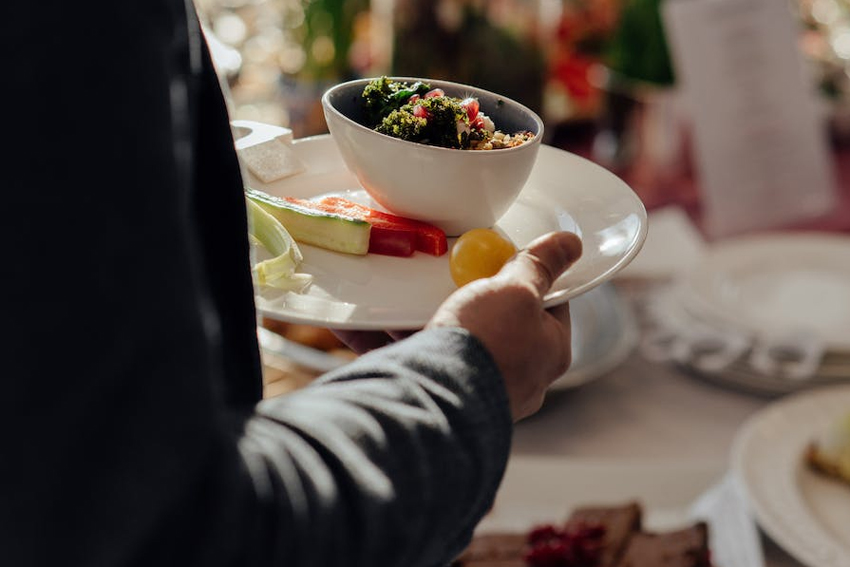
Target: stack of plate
<point>604,333</point>
<point>769,313</point>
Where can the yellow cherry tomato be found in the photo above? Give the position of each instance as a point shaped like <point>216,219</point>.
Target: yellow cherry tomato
<point>479,253</point>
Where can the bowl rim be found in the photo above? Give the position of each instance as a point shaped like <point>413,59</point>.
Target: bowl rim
<point>328,107</point>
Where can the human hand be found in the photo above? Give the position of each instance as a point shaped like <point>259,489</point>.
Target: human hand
<point>531,345</point>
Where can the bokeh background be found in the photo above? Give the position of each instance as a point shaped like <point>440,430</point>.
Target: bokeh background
<point>561,57</point>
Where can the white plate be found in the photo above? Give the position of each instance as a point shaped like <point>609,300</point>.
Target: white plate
<point>806,514</point>
<point>604,333</point>
<point>778,284</point>
<point>564,192</point>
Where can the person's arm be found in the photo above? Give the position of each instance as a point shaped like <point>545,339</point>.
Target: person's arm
<point>391,460</point>
<point>421,427</point>
<point>127,421</point>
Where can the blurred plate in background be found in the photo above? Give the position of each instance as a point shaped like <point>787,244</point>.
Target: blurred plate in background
<point>776,284</point>
<point>805,513</point>
<point>604,333</point>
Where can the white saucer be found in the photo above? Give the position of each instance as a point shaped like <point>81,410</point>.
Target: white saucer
<point>564,192</point>
<point>604,334</point>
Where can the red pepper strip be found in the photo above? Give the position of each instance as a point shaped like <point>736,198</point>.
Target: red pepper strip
<point>383,238</point>
<point>391,232</point>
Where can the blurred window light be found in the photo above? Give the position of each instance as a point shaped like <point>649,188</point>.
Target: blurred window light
<point>230,29</point>
<point>292,58</point>
<point>323,50</point>
<point>825,12</point>
<point>841,42</point>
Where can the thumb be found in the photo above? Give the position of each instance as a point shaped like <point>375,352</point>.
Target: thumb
<point>544,260</point>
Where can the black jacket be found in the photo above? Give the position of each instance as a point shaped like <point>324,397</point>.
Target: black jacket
<point>130,429</point>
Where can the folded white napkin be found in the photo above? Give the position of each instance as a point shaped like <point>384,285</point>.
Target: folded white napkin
<point>733,535</point>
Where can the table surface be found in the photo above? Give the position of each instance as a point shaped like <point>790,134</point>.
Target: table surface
<point>645,430</point>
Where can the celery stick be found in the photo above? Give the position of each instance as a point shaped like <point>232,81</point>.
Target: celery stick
<point>279,271</point>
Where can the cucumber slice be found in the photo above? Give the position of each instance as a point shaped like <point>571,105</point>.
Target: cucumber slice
<point>313,226</point>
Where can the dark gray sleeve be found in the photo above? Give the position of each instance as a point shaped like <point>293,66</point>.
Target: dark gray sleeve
<point>389,461</point>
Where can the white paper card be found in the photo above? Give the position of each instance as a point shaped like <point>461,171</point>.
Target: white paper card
<point>760,144</point>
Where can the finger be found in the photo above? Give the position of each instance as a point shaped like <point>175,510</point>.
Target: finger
<point>363,341</point>
<point>544,260</point>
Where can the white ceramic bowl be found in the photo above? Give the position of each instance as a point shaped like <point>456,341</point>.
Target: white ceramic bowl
<point>457,190</point>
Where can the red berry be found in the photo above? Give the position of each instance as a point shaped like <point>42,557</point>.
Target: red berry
<point>543,533</point>
<point>435,92</point>
<point>576,545</point>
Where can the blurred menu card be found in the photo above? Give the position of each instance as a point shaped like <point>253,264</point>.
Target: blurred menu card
<point>760,143</point>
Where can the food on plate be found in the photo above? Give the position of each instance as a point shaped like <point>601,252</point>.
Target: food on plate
<point>344,226</point>
<point>597,536</point>
<point>278,271</point>
<point>685,547</point>
<point>393,235</point>
<point>310,224</point>
<point>418,113</point>
<point>619,523</point>
<point>479,253</point>
<point>830,454</point>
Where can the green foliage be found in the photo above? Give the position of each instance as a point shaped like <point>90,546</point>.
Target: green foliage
<point>638,50</point>
<point>333,21</point>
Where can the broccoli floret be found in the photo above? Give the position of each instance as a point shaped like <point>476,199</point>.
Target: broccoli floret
<point>443,116</point>
<point>383,95</point>
<point>403,124</point>
<point>388,110</point>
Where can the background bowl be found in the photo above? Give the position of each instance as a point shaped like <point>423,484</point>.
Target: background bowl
<point>457,190</point>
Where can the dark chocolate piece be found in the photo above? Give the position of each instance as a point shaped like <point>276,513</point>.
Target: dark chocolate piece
<point>687,547</point>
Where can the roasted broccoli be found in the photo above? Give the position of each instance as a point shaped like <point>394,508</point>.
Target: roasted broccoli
<point>433,118</point>
<point>383,95</point>
<point>402,124</point>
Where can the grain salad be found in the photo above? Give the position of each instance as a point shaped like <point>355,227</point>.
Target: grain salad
<point>415,112</point>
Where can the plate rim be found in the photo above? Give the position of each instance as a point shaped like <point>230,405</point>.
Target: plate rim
<point>552,299</point>
<point>827,551</point>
